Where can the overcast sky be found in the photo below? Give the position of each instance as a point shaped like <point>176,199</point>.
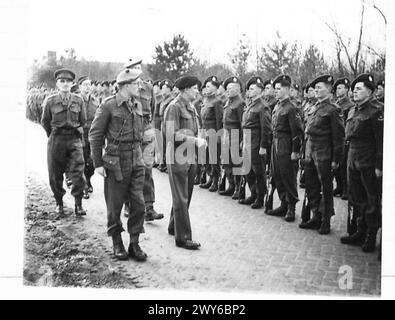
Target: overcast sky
<point>117,29</point>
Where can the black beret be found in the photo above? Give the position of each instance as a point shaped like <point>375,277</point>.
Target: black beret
<point>105,83</point>
<point>327,78</point>
<point>213,79</point>
<point>283,79</point>
<point>344,81</point>
<point>149,81</point>
<point>64,74</point>
<point>166,82</point>
<point>232,80</point>
<point>82,79</point>
<point>255,80</point>
<point>367,80</point>
<point>380,83</point>
<point>185,82</point>
<point>269,81</point>
<point>156,83</point>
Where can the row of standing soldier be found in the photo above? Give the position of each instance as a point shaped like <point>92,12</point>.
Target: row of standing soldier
<point>277,129</point>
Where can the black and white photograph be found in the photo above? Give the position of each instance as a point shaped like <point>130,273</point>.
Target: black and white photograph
<point>205,149</point>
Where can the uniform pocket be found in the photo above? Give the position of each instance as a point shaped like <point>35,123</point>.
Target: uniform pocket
<point>58,113</point>
<point>113,163</point>
<point>74,112</point>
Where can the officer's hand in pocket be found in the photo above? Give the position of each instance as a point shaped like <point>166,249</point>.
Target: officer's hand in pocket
<point>101,171</point>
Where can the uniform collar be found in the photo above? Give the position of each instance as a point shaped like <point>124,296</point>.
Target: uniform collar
<point>362,105</point>
<point>284,101</point>
<point>324,101</point>
<point>120,99</point>
<point>342,100</point>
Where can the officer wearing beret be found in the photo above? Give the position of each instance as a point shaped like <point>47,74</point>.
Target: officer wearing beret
<point>181,128</point>
<point>166,87</point>
<point>380,91</point>
<point>148,145</point>
<point>364,131</point>
<point>63,119</point>
<point>233,115</point>
<point>269,94</point>
<point>311,100</point>
<point>287,140</point>
<point>256,119</point>
<point>118,126</point>
<point>324,148</point>
<point>90,106</point>
<point>341,88</point>
<point>211,115</point>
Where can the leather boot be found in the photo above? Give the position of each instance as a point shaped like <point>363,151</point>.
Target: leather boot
<point>370,242</point>
<point>136,253</point>
<point>151,214</point>
<point>325,227</point>
<point>258,203</point>
<point>356,238</point>
<point>207,184</point>
<point>118,248</point>
<point>78,210</point>
<point>236,194</point>
<point>203,178</point>
<point>214,185</point>
<point>280,211</point>
<point>221,184</point>
<point>229,191</point>
<point>250,200</point>
<point>314,223</point>
<point>290,216</point>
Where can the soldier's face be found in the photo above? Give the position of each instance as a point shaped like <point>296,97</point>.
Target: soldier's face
<point>192,92</point>
<point>321,90</point>
<point>233,89</point>
<point>254,91</point>
<point>268,90</point>
<point>361,92</point>
<point>380,91</point>
<point>281,92</point>
<point>64,85</point>
<point>210,88</point>
<point>134,88</point>
<point>292,92</point>
<point>156,89</point>
<point>310,93</point>
<point>341,90</point>
<point>165,90</point>
<point>85,87</point>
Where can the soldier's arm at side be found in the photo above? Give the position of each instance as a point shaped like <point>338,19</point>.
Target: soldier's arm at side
<point>337,129</point>
<point>46,117</point>
<point>219,114</point>
<point>264,117</point>
<point>97,134</point>
<point>378,127</point>
<point>295,123</point>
